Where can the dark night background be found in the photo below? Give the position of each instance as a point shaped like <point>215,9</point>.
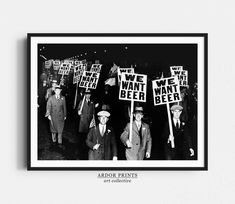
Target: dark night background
<point>149,59</point>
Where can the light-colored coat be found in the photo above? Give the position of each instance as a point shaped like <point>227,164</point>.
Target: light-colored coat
<point>56,108</point>
<point>139,147</point>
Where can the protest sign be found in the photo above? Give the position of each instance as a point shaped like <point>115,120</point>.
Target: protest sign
<point>48,64</point>
<point>64,68</point>
<point>69,61</point>
<point>183,78</point>
<point>77,62</point>
<point>166,90</point>
<point>123,70</point>
<point>181,74</point>
<point>79,67</point>
<point>56,64</point>
<point>89,80</point>
<point>96,68</point>
<point>133,87</point>
<point>175,70</point>
<point>78,71</point>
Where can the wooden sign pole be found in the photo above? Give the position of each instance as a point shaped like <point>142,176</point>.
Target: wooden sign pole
<point>83,100</point>
<point>131,119</point>
<point>76,95</point>
<point>170,125</point>
<point>62,77</point>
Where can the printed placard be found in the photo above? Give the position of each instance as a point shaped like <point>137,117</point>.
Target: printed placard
<point>175,70</point>
<point>48,64</point>
<point>181,74</point>
<point>77,62</point>
<point>166,90</point>
<point>89,80</point>
<point>78,71</point>
<point>133,87</point>
<point>56,64</point>
<point>183,78</point>
<point>124,70</point>
<point>96,68</point>
<point>64,68</point>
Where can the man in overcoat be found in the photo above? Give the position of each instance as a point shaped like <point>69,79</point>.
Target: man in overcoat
<point>182,140</point>
<point>86,110</point>
<point>101,140</point>
<point>56,113</point>
<point>141,143</point>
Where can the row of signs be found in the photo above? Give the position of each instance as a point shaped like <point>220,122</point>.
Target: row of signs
<point>165,90</point>
<point>133,87</point>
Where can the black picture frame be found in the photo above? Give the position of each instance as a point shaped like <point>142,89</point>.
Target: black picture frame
<point>34,39</point>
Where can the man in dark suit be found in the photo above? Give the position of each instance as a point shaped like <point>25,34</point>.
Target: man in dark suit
<point>101,140</point>
<point>86,111</point>
<point>141,143</point>
<point>181,138</point>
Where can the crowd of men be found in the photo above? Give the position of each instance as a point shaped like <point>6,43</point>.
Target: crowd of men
<point>103,124</point>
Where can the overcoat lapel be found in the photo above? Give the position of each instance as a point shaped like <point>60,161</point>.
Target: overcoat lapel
<point>135,128</point>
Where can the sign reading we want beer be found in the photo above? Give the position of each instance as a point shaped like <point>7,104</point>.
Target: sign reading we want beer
<point>89,80</point>
<point>133,87</point>
<point>166,90</point>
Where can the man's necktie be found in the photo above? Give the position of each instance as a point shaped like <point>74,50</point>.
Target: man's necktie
<point>102,130</point>
<point>177,125</point>
<point>140,132</point>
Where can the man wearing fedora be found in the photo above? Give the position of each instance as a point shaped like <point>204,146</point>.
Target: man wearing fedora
<point>86,111</point>
<point>181,138</point>
<point>101,140</point>
<point>51,90</point>
<point>141,143</point>
<point>56,113</point>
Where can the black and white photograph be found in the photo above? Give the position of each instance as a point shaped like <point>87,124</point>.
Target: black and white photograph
<point>117,101</point>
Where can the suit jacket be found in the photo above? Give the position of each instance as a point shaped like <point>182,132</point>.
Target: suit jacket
<point>182,140</point>
<point>87,114</point>
<point>139,145</point>
<point>107,149</point>
<point>56,108</point>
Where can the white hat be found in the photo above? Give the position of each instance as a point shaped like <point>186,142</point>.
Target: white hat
<point>176,107</point>
<point>103,113</point>
<point>138,109</point>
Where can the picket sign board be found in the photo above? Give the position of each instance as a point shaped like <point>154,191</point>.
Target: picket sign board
<point>89,80</point>
<point>166,91</point>
<point>123,70</point>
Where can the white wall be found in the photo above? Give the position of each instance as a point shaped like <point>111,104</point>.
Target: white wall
<point>17,18</point>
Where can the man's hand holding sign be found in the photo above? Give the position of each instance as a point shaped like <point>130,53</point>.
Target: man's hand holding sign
<point>132,88</point>
<point>165,91</point>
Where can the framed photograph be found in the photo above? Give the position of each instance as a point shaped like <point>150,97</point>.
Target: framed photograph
<point>117,101</point>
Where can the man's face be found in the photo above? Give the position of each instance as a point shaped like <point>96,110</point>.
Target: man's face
<point>88,96</point>
<point>103,120</point>
<point>176,114</point>
<point>53,85</point>
<point>138,116</point>
<point>57,91</point>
